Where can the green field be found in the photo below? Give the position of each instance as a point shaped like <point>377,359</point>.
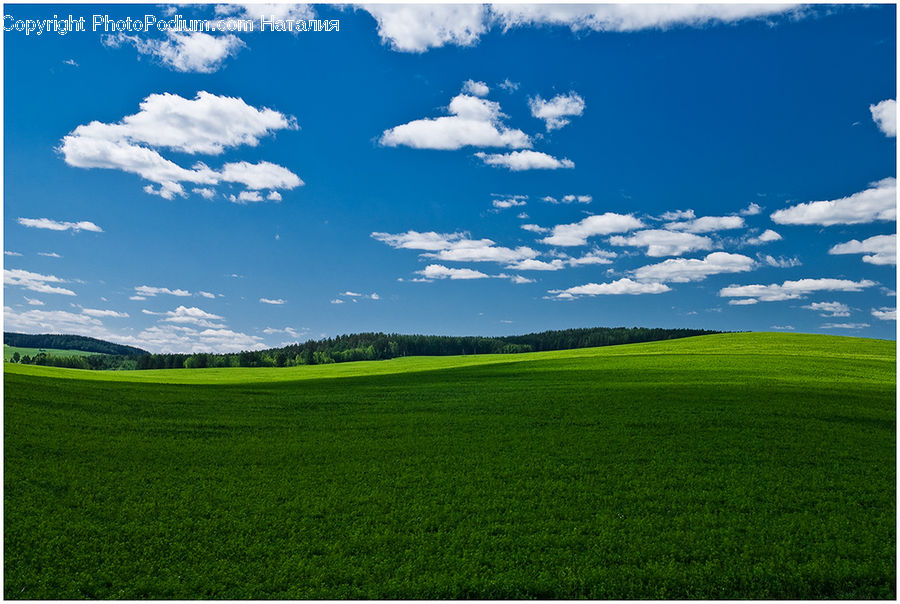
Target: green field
<point>8,352</point>
<point>724,466</point>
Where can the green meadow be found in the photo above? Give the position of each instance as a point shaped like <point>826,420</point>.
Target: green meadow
<point>723,466</point>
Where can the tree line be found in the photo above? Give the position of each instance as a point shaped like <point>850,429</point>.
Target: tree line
<point>375,346</point>
<point>68,342</point>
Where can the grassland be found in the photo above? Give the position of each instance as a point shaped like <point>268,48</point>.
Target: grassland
<point>727,466</point>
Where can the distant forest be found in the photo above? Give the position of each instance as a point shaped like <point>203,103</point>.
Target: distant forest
<point>360,347</point>
<point>64,342</point>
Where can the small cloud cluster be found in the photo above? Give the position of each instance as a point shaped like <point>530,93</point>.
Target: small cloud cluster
<point>790,290</point>
<point>55,225</point>
<point>208,124</point>
<point>557,111</point>
<point>186,52</point>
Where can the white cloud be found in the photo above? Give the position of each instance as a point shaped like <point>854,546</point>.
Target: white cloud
<point>577,233</point>
<point>752,210</point>
<point>557,110</point>
<point>520,280</point>
<point>53,321</point>
<point>781,262</point>
<point>481,250</point>
<point>70,62</point>
<point>54,225</point>
<point>337,301</point>
<point>592,257</point>
<point>518,161</point>
<point>534,228</point>
<point>473,121</point>
<point>246,197</point>
<point>880,249</point>
<point>664,243</point>
<point>879,202</point>
<point>790,290</point>
<point>475,88</point>
<point>33,302</point>
<point>207,124</point>
<point>621,287</point>
<point>885,116</point>
<point>263,175</point>
<point>8,253</point>
<point>276,302</point>
<point>683,270</point>
<point>206,294</point>
<point>509,202</point>
<point>204,192</point>
<point>437,271</point>
<point>414,240</point>
<point>281,12</point>
<point>49,254</point>
<point>147,290</point>
<point>418,27</point>
<point>538,265</point>
<point>187,52</point>
<point>678,215</point>
<point>179,339</point>
<point>294,333</point>
<point>829,309</point>
<point>191,315</point>
<point>744,302</point>
<point>707,224</point>
<point>274,196</point>
<point>137,297</point>
<point>845,325</point>
<point>766,236</point>
<point>508,85</point>
<point>631,17</point>
<point>885,313</point>
<point>95,312</point>
<point>35,282</point>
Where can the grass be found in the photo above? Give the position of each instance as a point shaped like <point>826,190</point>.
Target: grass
<point>8,352</point>
<point>726,466</point>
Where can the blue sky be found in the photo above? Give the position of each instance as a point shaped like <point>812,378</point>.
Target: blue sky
<point>450,170</point>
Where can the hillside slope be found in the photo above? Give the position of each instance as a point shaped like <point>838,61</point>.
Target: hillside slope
<point>738,466</point>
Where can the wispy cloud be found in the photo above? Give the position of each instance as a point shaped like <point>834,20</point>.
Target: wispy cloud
<point>55,225</point>
<point>35,282</point>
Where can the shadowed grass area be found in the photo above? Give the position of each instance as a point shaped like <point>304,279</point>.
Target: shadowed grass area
<point>725,466</point>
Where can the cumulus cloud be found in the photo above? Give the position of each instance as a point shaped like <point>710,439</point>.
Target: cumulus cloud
<point>168,338</point>
<point>206,294</point>
<point>473,122</point>
<point>683,270</point>
<point>885,116</point>
<point>54,321</point>
<point>844,325</point>
<point>829,309</point>
<point>147,290</point>
<point>191,315</point>
<point>678,215</point>
<point>538,265</point>
<point>293,12</point>
<point>623,286</point>
<point>707,224</point>
<point>55,225</point>
<point>475,88</point>
<point>481,250</point>
<point>880,249</point>
<point>187,52</point>
<point>781,262</point>
<point>878,202</point>
<point>437,271</point>
<point>790,290</point>
<point>262,175</point>
<point>534,228</point>
<point>509,202</point>
<point>577,233</point>
<point>751,210</point>
<point>208,124</point>
<point>557,111</point>
<point>96,312</point>
<point>592,257</point>
<point>418,27</point>
<point>33,302</point>
<point>664,243</point>
<point>35,282</point>
<point>414,240</point>
<point>517,161</point>
<point>631,17</point>
<point>766,236</point>
<point>276,302</point>
<point>885,313</point>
